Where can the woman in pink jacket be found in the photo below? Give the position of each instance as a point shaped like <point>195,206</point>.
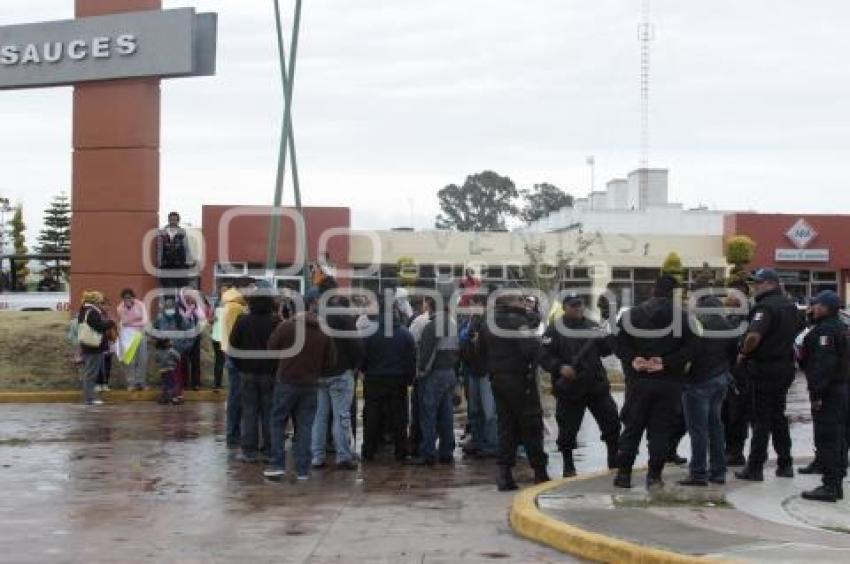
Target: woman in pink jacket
<point>133,318</point>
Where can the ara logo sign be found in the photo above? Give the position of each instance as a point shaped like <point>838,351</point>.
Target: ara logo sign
<point>801,234</point>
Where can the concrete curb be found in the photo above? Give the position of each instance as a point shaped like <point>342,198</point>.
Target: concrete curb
<point>117,396</point>
<point>528,521</point>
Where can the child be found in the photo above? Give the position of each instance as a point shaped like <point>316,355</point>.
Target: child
<point>168,359</point>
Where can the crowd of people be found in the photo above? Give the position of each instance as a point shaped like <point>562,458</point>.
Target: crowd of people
<point>716,371</point>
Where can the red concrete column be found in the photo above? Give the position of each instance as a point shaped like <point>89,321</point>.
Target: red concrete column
<point>115,174</point>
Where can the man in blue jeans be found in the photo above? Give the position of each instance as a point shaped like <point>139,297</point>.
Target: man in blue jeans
<point>438,356</point>
<point>482,404</point>
<point>336,391</point>
<point>705,391</point>
<point>296,385</point>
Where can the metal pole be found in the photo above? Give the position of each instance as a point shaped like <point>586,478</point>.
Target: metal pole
<point>287,136</point>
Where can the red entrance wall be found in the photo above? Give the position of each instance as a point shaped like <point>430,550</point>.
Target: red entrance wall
<point>115,183</point>
<point>768,231</point>
<point>248,237</point>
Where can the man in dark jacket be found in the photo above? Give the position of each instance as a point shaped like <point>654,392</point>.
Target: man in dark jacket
<point>438,357</point>
<point>295,390</point>
<point>767,358</point>
<point>336,390</point>
<point>173,253</point>
<point>389,365</point>
<point>248,349</point>
<point>572,354</point>
<point>510,344</point>
<point>705,391</point>
<point>825,361</point>
<point>481,408</point>
<point>654,343</point>
<point>737,410</point>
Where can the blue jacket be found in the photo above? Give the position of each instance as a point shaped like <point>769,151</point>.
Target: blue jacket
<point>393,356</point>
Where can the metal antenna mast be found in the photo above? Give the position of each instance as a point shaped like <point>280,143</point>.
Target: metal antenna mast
<point>646,33</point>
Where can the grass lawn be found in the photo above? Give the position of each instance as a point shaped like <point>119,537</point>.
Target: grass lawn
<point>35,354</point>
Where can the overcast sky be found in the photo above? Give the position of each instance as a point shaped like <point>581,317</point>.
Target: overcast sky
<point>397,98</point>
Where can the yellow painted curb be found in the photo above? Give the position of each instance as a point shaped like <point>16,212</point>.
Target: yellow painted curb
<point>528,521</point>
<point>117,396</point>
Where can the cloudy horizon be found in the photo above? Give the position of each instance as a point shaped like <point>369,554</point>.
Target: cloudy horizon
<point>396,99</point>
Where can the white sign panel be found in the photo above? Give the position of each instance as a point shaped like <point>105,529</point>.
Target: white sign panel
<point>165,43</point>
<point>802,255</point>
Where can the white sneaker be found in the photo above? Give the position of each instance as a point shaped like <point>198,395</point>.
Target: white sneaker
<point>106,389</point>
<point>98,388</point>
<point>97,402</point>
<point>303,477</point>
<point>274,473</point>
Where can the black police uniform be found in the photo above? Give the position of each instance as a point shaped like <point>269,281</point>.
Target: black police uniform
<point>824,360</point>
<point>509,361</point>
<point>737,409</point>
<point>583,351</point>
<point>771,371</point>
<point>652,400</point>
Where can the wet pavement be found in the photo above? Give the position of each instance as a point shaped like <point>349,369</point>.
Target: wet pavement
<point>743,521</point>
<point>140,482</point>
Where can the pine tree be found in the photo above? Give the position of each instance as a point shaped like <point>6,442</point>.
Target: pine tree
<point>19,240</point>
<point>55,238</point>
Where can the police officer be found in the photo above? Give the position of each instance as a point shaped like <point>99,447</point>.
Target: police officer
<point>767,359</point>
<point>655,343</point>
<point>572,354</point>
<point>737,409</point>
<point>824,359</point>
<point>510,345</point>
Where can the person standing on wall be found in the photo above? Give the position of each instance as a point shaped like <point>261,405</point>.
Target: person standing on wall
<point>573,356</point>
<point>825,359</point>
<point>767,358</point>
<point>654,343</point>
<point>173,252</point>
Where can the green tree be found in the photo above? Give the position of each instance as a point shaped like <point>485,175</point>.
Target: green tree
<point>673,266</point>
<point>740,251</point>
<point>483,203</point>
<point>19,242</point>
<point>55,238</point>
<point>408,271</point>
<point>542,200</point>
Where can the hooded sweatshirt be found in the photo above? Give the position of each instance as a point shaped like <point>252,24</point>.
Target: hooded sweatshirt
<point>251,334</point>
<point>233,305</point>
